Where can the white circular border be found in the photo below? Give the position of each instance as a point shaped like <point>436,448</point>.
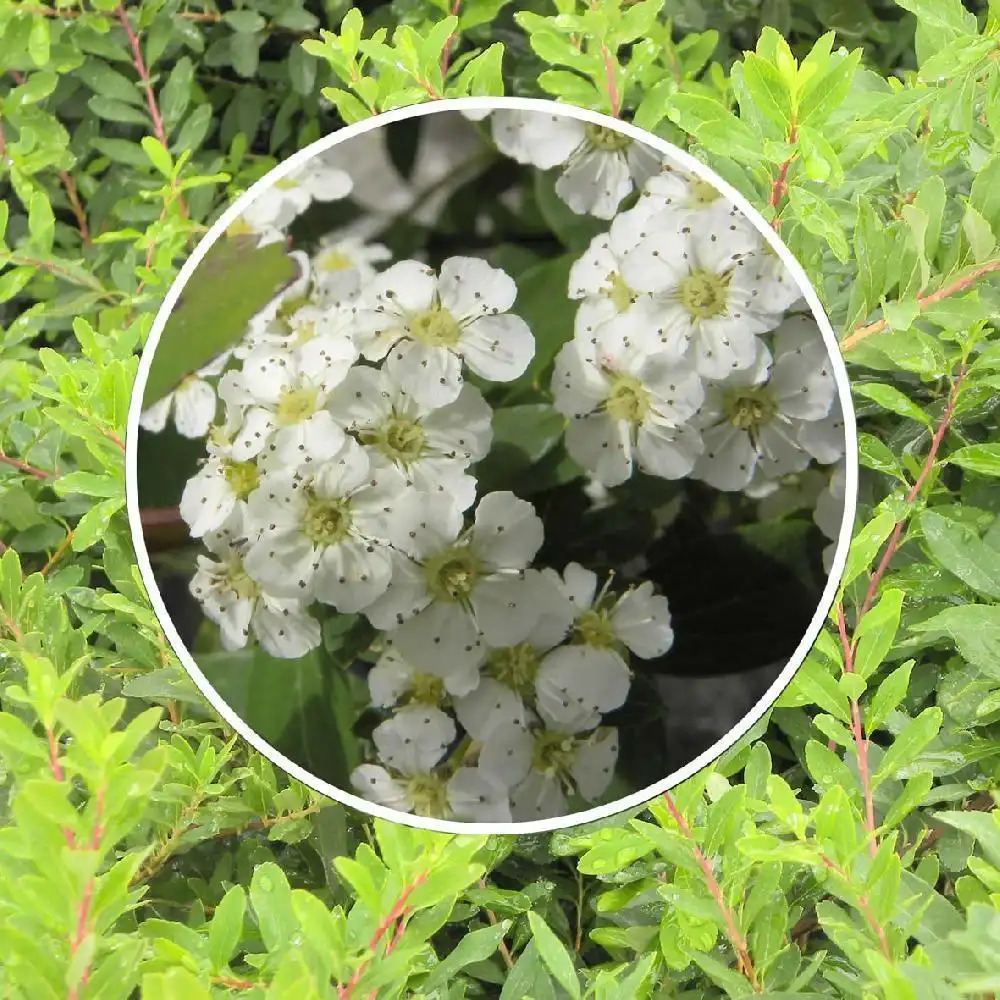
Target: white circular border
<point>682,159</point>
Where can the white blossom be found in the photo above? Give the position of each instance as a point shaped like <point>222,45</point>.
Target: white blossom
<point>410,746</point>
<point>241,608</point>
<point>283,394</point>
<point>761,417</point>
<point>327,535</point>
<point>600,166</point>
<point>426,325</point>
<point>288,197</point>
<point>342,264</point>
<point>463,588</point>
<point>393,679</point>
<point>638,619</point>
<point>432,447</point>
<point>222,483</point>
<point>704,284</point>
<point>542,767</point>
<point>627,403</point>
<point>193,403</point>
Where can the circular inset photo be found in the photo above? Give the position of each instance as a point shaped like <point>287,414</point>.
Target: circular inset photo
<point>491,465</point>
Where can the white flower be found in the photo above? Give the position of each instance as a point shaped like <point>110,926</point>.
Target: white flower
<point>193,403</point>
<point>411,745</point>
<point>342,264</point>
<point>596,276</point>
<point>704,284</point>
<point>431,447</point>
<point>428,324</point>
<point>240,607</point>
<point>577,684</point>
<point>627,403</point>
<point>222,484</point>
<point>393,680</point>
<point>690,201</point>
<point>327,536</point>
<point>757,417</point>
<point>542,767</point>
<point>600,165</point>
<point>289,197</point>
<point>283,395</point>
<point>509,673</point>
<point>638,619</point>
<point>461,589</point>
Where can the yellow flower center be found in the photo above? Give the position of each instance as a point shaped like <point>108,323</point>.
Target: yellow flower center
<point>326,522</point>
<point>594,628</point>
<point>398,439</point>
<point>335,260</point>
<point>749,409</point>
<point>628,399</point>
<point>452,575</point>
<point>605,139</point>
<point>435,326</point>
<point>514,666</point>
<point>702,193</point>
<point>704,294</point>
<point>429,795</point>
<point>427,689</point>
<point>243,477</point>
<point>296,405</point>
<point>553,753</point>
<point>618,292</point>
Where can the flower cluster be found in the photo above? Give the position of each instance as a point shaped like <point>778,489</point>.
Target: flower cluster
<point>342,436</point>
<point>685,359</point>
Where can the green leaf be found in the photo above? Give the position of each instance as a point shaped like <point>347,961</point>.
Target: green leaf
<point>824,93</point>
<point>528,978</point>
<point>983,826</point>
<point>866,544</point>
<point>271,899</point>
<point>891,399</point>
<point>244,21</point>
<point>158,156</point>
<point>476,946</point>
<point>948,14</point>
<point>226,928</point>
<point>816,215</point>
<point>979,234</point>
<point>877,632</point>
<point>716,128</point>
<point>985,194</point>
<point>555,956</point>
<point>974,629</point>
<point>234,281</point>
<point>960,550</point>
<point>907,746</point>
<point>769,90</point>
<point>888,696</point>
<point>983,459</point>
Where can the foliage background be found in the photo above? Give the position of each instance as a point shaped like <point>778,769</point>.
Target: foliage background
<point>848,848</point>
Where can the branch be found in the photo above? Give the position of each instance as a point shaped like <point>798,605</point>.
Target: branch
<point>780,186</point>
<point>29,470</point>
<point>732,929</point>
<point>609,73</point>
<point>956,287</point>
<point>398,912</point>
<point>492,918</point>
<point>860,740</point>
<point>140,68</point>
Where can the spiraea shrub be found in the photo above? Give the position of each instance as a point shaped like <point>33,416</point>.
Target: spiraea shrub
<point>847,846</point>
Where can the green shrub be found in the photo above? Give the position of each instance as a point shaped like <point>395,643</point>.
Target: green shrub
<point>846,848</point>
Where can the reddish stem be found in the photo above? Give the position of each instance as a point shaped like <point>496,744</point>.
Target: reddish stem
<point>397,913</point>
<point>24,467</point>
<point>923,301</point>
<point>449,42</point>
<point>140,67</point>
<point>860,741</point>
<point>732,929</point>
<point>609,73</point>
<point>780,186</point>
